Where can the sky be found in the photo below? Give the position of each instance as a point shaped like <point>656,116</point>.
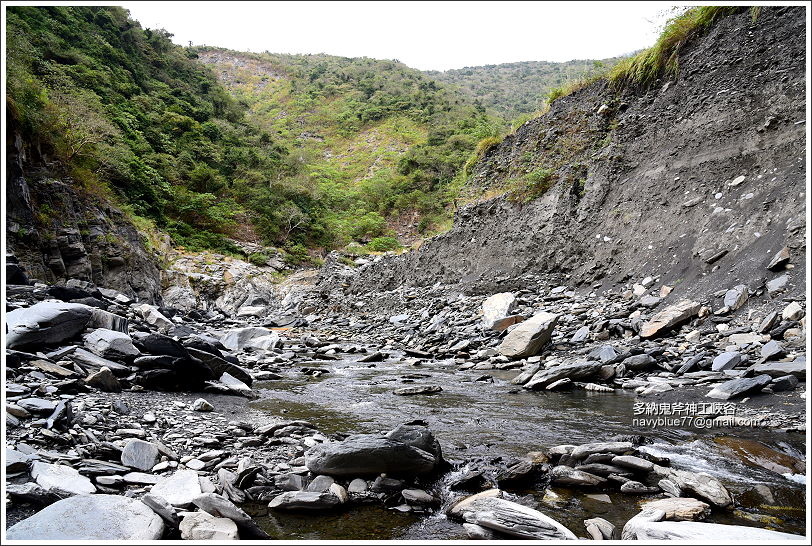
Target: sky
<point>423,35</point>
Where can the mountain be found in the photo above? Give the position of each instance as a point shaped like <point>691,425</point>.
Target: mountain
<point>513,89</point>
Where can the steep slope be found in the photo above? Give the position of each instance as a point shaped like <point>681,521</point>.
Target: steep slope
<point>513,89</point>
<point>698,181</point>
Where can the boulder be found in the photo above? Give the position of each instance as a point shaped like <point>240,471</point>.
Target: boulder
<point>565,475</point>
<point>204,526</point>
<point>510,518</point>
<point>140,455</point>
<point>700,484</point>
<point>109,321</point>
<point>111,344</point>
<point>648,526</point>
<point>240,338</point>
<point>16,461</point>
<point>528,337</point>
<point>91,362</point>
<point>680,508</point>
<point>220,366</point>
<point>60,480</point>
<point>304,501</point>
<point>46,322</point>
<point>633,463</point>
<point>221,507</point>
<point>496,308</point>
<point>669,318</point>
<point>600,529</point>
<point>91,517</point>
<point>104,380</point>
<point>772,349</point>
<point>739,386</point>
<point>736,297</point>
<point>179,489</point>
<point>726,361</point>
<point>793,311</point>
<point>155,318</point>
<point>157,344</point>
<point>403,451</point>
<point>577,370</point>
<point>418,389</point>
<point>779,369</point>
<point>585,450</point>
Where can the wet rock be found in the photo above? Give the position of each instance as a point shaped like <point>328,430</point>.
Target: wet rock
<point>221,507</point>
<point>600,529</point>
<point>385,484</point>
<point>45,322</point>
<point>179,489</point>
<point>633,463</point>
<point>357,486</point>
<point>680,508</point>
<point>289,482</point>
<point>736,297</point>
<point>565,475</point>
<point>91,517</point>
<point>496,308</point>
<point>726,361</point>
<point>404,451</point>
<point>528,337</point>
<point>104,380</point>
<point>648,526</point>
<point>111,344</point>
<point>637,488</point>
<point>700,484</point>
<point>418,496</point>
<point>320,484</point>
<point>204,526</point>
<point>60,480</point>
<point>738,387</point>
<point>420,389</point>
<point>585,450</point>
<point>339,491</point>
<point>477,532</point>
<point>510,518</point>
<point>304,501</point>
<point>202,405</point>
<point>669,318</point>
<point>579,370</point>
<point>140,455</point>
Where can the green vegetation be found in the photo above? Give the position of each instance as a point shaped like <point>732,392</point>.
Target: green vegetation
<point>511,90</point>
<point>382,244</point>
<point>532,185</point>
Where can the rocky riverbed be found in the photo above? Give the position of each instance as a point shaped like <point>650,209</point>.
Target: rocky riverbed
<point>419,413</point>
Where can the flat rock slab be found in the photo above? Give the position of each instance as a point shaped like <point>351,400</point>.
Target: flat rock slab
<point>700,532</point>
<point>304,501</point>
<point>139,454</point>
<point>512,519</point>
<point>91,517</point>
<point>420,389</point>
<point>179,489</point>
<point>579,370</point>
<point>46,322</point>
<point>565,475</point>
<point>585,450</point>
<point>680,508</point>
<point>669,318</point>
<point>61,480</point>
<point>739,387</point>
<point>780,369</point>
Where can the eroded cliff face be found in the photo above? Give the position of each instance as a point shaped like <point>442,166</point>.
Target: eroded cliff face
<point>698,182</point>
<point>58,233</point>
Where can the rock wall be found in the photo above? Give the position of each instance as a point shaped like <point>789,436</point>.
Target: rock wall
<point>698,182</point>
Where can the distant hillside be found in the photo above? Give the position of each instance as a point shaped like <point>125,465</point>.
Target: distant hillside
<point>513,89</point>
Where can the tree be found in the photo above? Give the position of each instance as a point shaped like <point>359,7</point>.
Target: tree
<point>76,120</point>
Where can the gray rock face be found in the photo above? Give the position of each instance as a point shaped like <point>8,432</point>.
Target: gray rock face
<point>638,362</point>
<point>179,489</point>
<point>669,318</point>
<point>511,519</point>
<point>736,297</point>
<point>772,349</point>
<point>739,386</point>
<point>36,405</point>
<point>529,337</point>
<point>726,361</point>
<point>91,517</point>
<point>46,322</point>
<point>496,308</point>
<point>578,370</point>
<point>111,344</point>
<point>304,501</point>
<point>60,480</point>
<point>407,450</point>
<point>140,454</point>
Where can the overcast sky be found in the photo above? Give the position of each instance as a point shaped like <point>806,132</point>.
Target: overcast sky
<point>424,35</point>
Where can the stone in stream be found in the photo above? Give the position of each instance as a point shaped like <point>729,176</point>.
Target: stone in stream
<point>320,484</point>
<point>634,463</point>
<point>736,297</point>
<point>45,322</point>
<point>111,344</point>
<point>738,387</point>
<point>600,529</point>
<point>632,487</point>
<point>304,501</point>
<point>179,489</point>
<point>91,517</point>
<point>680,508</point>
<point>648,526</point>
<point>140,455</point>
<point>526,374</point>
<point>419,389</point>
<point>204,526</point>
<point>528,338</point>
<point>477,532</point>
<point>585,450</point>
<point>357,486</point>
<point>60,480</point>
<point>726,361</point>
<point>497,308</point>
<point>669,318</point>
<point>104,380</point>
<point>219,506</point>
<point>418,496</point>
<point>510,518</point>
<point>406,450</point>
<point>577,370</point>
<point>700,484</point>
<point>565,475</point>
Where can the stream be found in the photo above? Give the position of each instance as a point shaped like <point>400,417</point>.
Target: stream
<point>493,418</point>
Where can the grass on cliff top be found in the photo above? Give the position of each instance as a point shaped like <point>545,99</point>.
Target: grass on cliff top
<point>661,59</point>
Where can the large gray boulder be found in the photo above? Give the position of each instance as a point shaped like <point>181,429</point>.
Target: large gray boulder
<point>60,480</point>
<point>669,318</point>
<point>648,525</point>
<point>240,338</point>
<point>91,517</point>
<point>204,526</point>
<point>407,450</point>
<point>739,387</point>
<point>140,455</point>
<point>701,484</point>
<point>780,369</point>
<point>529,337</point>
<point>510,518</point>
<point>221,507</point>
<point>111,344</point>
<point>496,308</point>
<point>179,489</point>
<point>46,322</point>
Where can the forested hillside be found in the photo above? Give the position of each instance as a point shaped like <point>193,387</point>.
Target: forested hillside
<point>512,89</point>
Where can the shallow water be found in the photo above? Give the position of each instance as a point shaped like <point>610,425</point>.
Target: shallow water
<point>497,419</point>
